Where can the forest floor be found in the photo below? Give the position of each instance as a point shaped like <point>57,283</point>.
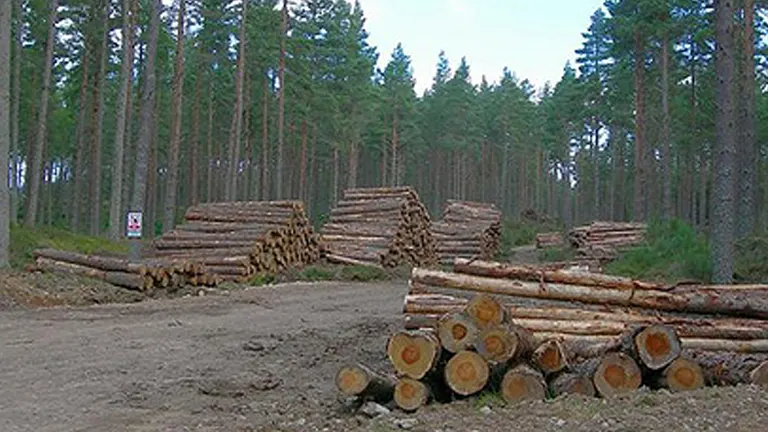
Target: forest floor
<point>264,359</point>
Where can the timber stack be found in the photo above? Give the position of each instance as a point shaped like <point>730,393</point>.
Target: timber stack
<point>147,275</point>
<point>469,230</point>
<point>380,227</point>
<point>236,240</point>
<point>601,240</point>
<point>549,240</point>
<point>526,333</point>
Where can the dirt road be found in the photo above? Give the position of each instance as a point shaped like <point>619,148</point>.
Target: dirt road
<point>264,359</point>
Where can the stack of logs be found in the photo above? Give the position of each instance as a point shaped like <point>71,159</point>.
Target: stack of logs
<point>381,227</point>
<point>521,332</point>
<point>145,275</point>
<point>549,240</point>
<point>237,240</point>
<point>468,229</point>
<point>600,240</point>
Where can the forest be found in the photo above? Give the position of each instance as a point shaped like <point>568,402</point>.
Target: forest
<point>119,105</point>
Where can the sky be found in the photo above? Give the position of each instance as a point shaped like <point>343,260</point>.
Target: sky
<point>534,39</point>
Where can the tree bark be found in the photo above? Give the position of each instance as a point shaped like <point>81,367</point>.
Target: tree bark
<point>235,134</point>
<point>724,207</point>
<point>15,120</point>
<point>97,122</point>
<point>35,173</point>
<point>121,126</point>
<point>395,144</point>
<point>5,125</point>
<point>265,161</point>
<point>172,183</point>
<point>279,180</point>
<point>81,167</point>
<point>147,119</point>
<point>210,158</point>
<point>747,152</point>
<point>195,143</point>
<point>641,182</point>
<point>666,157</point>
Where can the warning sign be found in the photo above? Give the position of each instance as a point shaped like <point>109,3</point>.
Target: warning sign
<point>134,225</point>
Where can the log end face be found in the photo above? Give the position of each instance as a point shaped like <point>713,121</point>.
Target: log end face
<point>466,373</point>
<point>684,375</point>
<point>657,346</point>
<point>497,344</point>
<point>352,380</point>
<point>413,354</point>
<point>410,394</point>
<point>550,357</point>
<point>520,385</point>
<point>485,311</point>
<point>617,374</point>
<point>456,332</point>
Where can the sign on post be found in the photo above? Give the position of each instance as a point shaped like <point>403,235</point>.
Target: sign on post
<point>133,227</point>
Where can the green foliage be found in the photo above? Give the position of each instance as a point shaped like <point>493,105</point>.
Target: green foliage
<point>557,254</point>
<point>316,273</point>
<point>489,399</point>
<point>516,233</point>
<point>751,264</point>
<point>673,251</point>
<point>24,241</point>
<point>352,273</point>
<point>262,279</point>
<point>363,273</point>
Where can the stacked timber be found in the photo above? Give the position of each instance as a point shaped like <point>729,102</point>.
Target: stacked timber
<point>237,240</point>
<point>145,275</point>
<point>468,229</point>
<point>601,240</point>
<point>382,227</point>
<point>549,240</point>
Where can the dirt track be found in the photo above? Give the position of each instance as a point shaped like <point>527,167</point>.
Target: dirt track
<point>264,359</point>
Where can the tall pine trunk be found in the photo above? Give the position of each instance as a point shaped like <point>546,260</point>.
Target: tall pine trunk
<point>194,151</point>
<point>724,207</point>
<point>281,106</point>
<point>172,185</point>
<point>641,183</point>
<point>97,122</point>
<point>5,126</point>
<point>265,162</point>
<point>81,166</point>
<point>666,157</point>
<point>35,174</point>
<point>235,132</point>
<point>15,120</point>
<point>209,156</point>
<point>303,162</point>
<point>747,152</point>
<point>121,127</point>
<point>395,144</point>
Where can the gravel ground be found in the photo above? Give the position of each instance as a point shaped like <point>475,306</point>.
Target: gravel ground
<point>263,359</point>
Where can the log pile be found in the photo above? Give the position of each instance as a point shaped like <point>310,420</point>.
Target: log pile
<point>236,240</point>
<point>468,229</point>
<point>381,227</point>
<point>601,240</point>
<point>145,275</point>
<point>549,240</point>
<point>527,333</point>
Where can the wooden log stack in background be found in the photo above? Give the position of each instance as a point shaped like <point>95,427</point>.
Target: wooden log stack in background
<point>468,229</point>
<point>601,240</point>
<point>383,227</point>
<point>526,332</point>
<point>236,240</point>
<point>549,240</point>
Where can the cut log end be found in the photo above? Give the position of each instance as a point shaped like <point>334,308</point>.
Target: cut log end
<point>411,394</point>
<point>617,374</point>
<point>456,332</point>
<point>485,311</point>
<point>684,375</point>
<point>413,353</point>
<point>523,383</point>
<point>360,381</point>
<point>497,344</point>
<point>466,373</point>
<point>572,383</point>
<point>657,346</point>
<point>550,356</point>
<point>759,375</point>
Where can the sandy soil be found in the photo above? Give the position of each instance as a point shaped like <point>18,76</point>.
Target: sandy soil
<point>263,359</point>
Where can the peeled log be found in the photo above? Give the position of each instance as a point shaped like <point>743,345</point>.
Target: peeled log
<point>466,373</point>
<point>358,380</point>
<point>93,261</point>
<point>657,346</point>
<point>413,353</point>
<point>727,369</point>
<point>125,280</point>
<point>683,375</point>
<point>617,374</point>
<point>746,303</point>
<point>485,311</point>
<point>550,357</point>
<point>523,383</point>
<point>572,383</point>
<point>411,394</point>
<point>456,332</point>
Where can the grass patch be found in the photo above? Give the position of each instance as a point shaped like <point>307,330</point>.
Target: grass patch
<point>751,264</point>
<point>673,251</point>
<point>262,279</point>
<point>490,399</point>
<point>515,233</point>
<point>25,240</point>
<point>557,254</point>
<point>347,273</point>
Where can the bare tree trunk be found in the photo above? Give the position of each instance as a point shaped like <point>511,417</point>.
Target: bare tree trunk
<point>395,145</point>
<point>237,118</point>
<point>641,183</point>
<point>666,157</point>
<point>97,122</point>
<point>209,156</point>
<point>36,164</point>
<point>126,77</point>
<point>81,167</point>
<point>147,119</point>
<point>723,208</point>
<point>281,104</point>
<point>336,175</point>
<point>303,162</point>
<point>747,153</point>
<point>383,167</point>
<point>172,185</point>
<point>247,142</point>
<point>265,190</point>
<point>5,125</point>
<point>194,154</point>
<point>15,120</point>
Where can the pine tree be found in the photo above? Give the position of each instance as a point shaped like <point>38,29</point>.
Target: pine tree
<point>5,124</point>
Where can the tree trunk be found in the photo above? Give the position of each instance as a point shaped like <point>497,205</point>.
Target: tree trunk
<point>121,127</point>
<point>5,124</point>
<point>303,162</point>
<point>724,207</point>
<point>359,380</point>
<point>245,189</point>
<point>147,119</point>
<point>36,164</point>
<point>81,167</point>
<point>641,183</point>
<point>281,105</point>
<point>666,157</point>
<point>15,120</point>
<point>194,153</point>
<point>395,144</point>
<point>172,183</point>
<point>265,162</point>
<point>97,122</point>
<point>235,134</point>
<point>209,156</point>
<point>747,152</point>
<point>352,163</point>
<point>336,176</point>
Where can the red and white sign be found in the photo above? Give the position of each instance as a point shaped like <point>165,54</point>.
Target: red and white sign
<point>133,227</point>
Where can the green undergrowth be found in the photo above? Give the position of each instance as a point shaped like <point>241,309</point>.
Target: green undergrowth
<point>25,240</point>
<point>673,252</point>
<point>557,254</point>
<point>751,264</point>
<point>332,272</point>
<point>515,233</point>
